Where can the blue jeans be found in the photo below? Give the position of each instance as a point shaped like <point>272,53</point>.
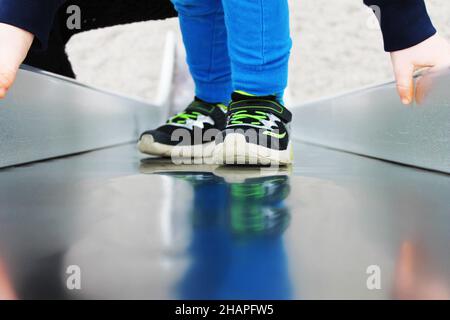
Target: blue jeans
<point>236,45</point>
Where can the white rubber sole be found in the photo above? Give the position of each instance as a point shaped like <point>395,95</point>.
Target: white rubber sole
<point>235,150</point>
<point>148,146</point>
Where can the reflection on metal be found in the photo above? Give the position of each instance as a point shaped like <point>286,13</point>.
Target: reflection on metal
<point>46,116</point>
<point>226,218</point>
<point>146,229</point>
<point>235,233</point>
<point>374,123</point>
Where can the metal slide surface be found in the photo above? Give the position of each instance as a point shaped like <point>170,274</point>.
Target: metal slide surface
<point>46,116</point>
<point>143,228</point>
<point>140,227</point>
<point>374,123</point>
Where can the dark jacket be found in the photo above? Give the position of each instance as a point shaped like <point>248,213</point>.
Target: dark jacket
<point>94,14</point>
<point>404,23</point>
<point>35,16</point>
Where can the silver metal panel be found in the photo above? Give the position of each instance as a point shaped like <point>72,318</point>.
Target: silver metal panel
<point>149,229</point>
<point>373,122</point>
<point>46,116</point>
<point>143,228</point>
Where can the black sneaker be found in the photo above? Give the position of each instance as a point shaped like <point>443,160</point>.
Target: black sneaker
<point>189,134</point>
<point>257,133</point>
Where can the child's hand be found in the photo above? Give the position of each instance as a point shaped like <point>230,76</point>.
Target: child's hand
<point>433,52</point>
<point>14,43</point>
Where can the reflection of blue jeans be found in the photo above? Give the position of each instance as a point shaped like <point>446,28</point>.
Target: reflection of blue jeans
<point>236,45</point>
<point>225,266</point>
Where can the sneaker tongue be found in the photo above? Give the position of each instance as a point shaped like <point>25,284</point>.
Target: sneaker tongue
<point>204,102</point>
<point>244,101</point>
<point>237,96</point>
<point>220,105</point>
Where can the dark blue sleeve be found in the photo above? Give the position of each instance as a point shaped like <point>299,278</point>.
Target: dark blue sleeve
<point>404,23</point>
<point>35,16</point>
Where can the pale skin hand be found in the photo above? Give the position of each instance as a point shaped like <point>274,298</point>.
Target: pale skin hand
<point>432,53</point>
<point>14,46</point>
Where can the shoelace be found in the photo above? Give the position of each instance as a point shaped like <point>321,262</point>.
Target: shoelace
<point>184,116</point>
<point>240,116</point>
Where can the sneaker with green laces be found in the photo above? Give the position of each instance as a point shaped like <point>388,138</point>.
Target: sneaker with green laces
<point>257,132</point>
<point>189,134</point>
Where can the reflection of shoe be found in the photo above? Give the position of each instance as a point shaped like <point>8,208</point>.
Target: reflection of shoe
<point>257,199</point>
<point>189,134</point>
<point>250,220</point>
<point>257,132</point>
<point>257,206</point>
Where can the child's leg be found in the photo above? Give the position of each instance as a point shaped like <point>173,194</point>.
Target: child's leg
<point>259,44</point>
<point>191,133</point>
<point>257,130</point>
<point>205,38</point>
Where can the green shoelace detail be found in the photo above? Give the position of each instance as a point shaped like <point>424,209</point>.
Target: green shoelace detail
<point>222,106</point>
<point>246,191</point>
<point>184,116</point>
<point>240,116</point>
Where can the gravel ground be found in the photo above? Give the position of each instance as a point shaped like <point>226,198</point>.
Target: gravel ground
<point>337,48</point>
